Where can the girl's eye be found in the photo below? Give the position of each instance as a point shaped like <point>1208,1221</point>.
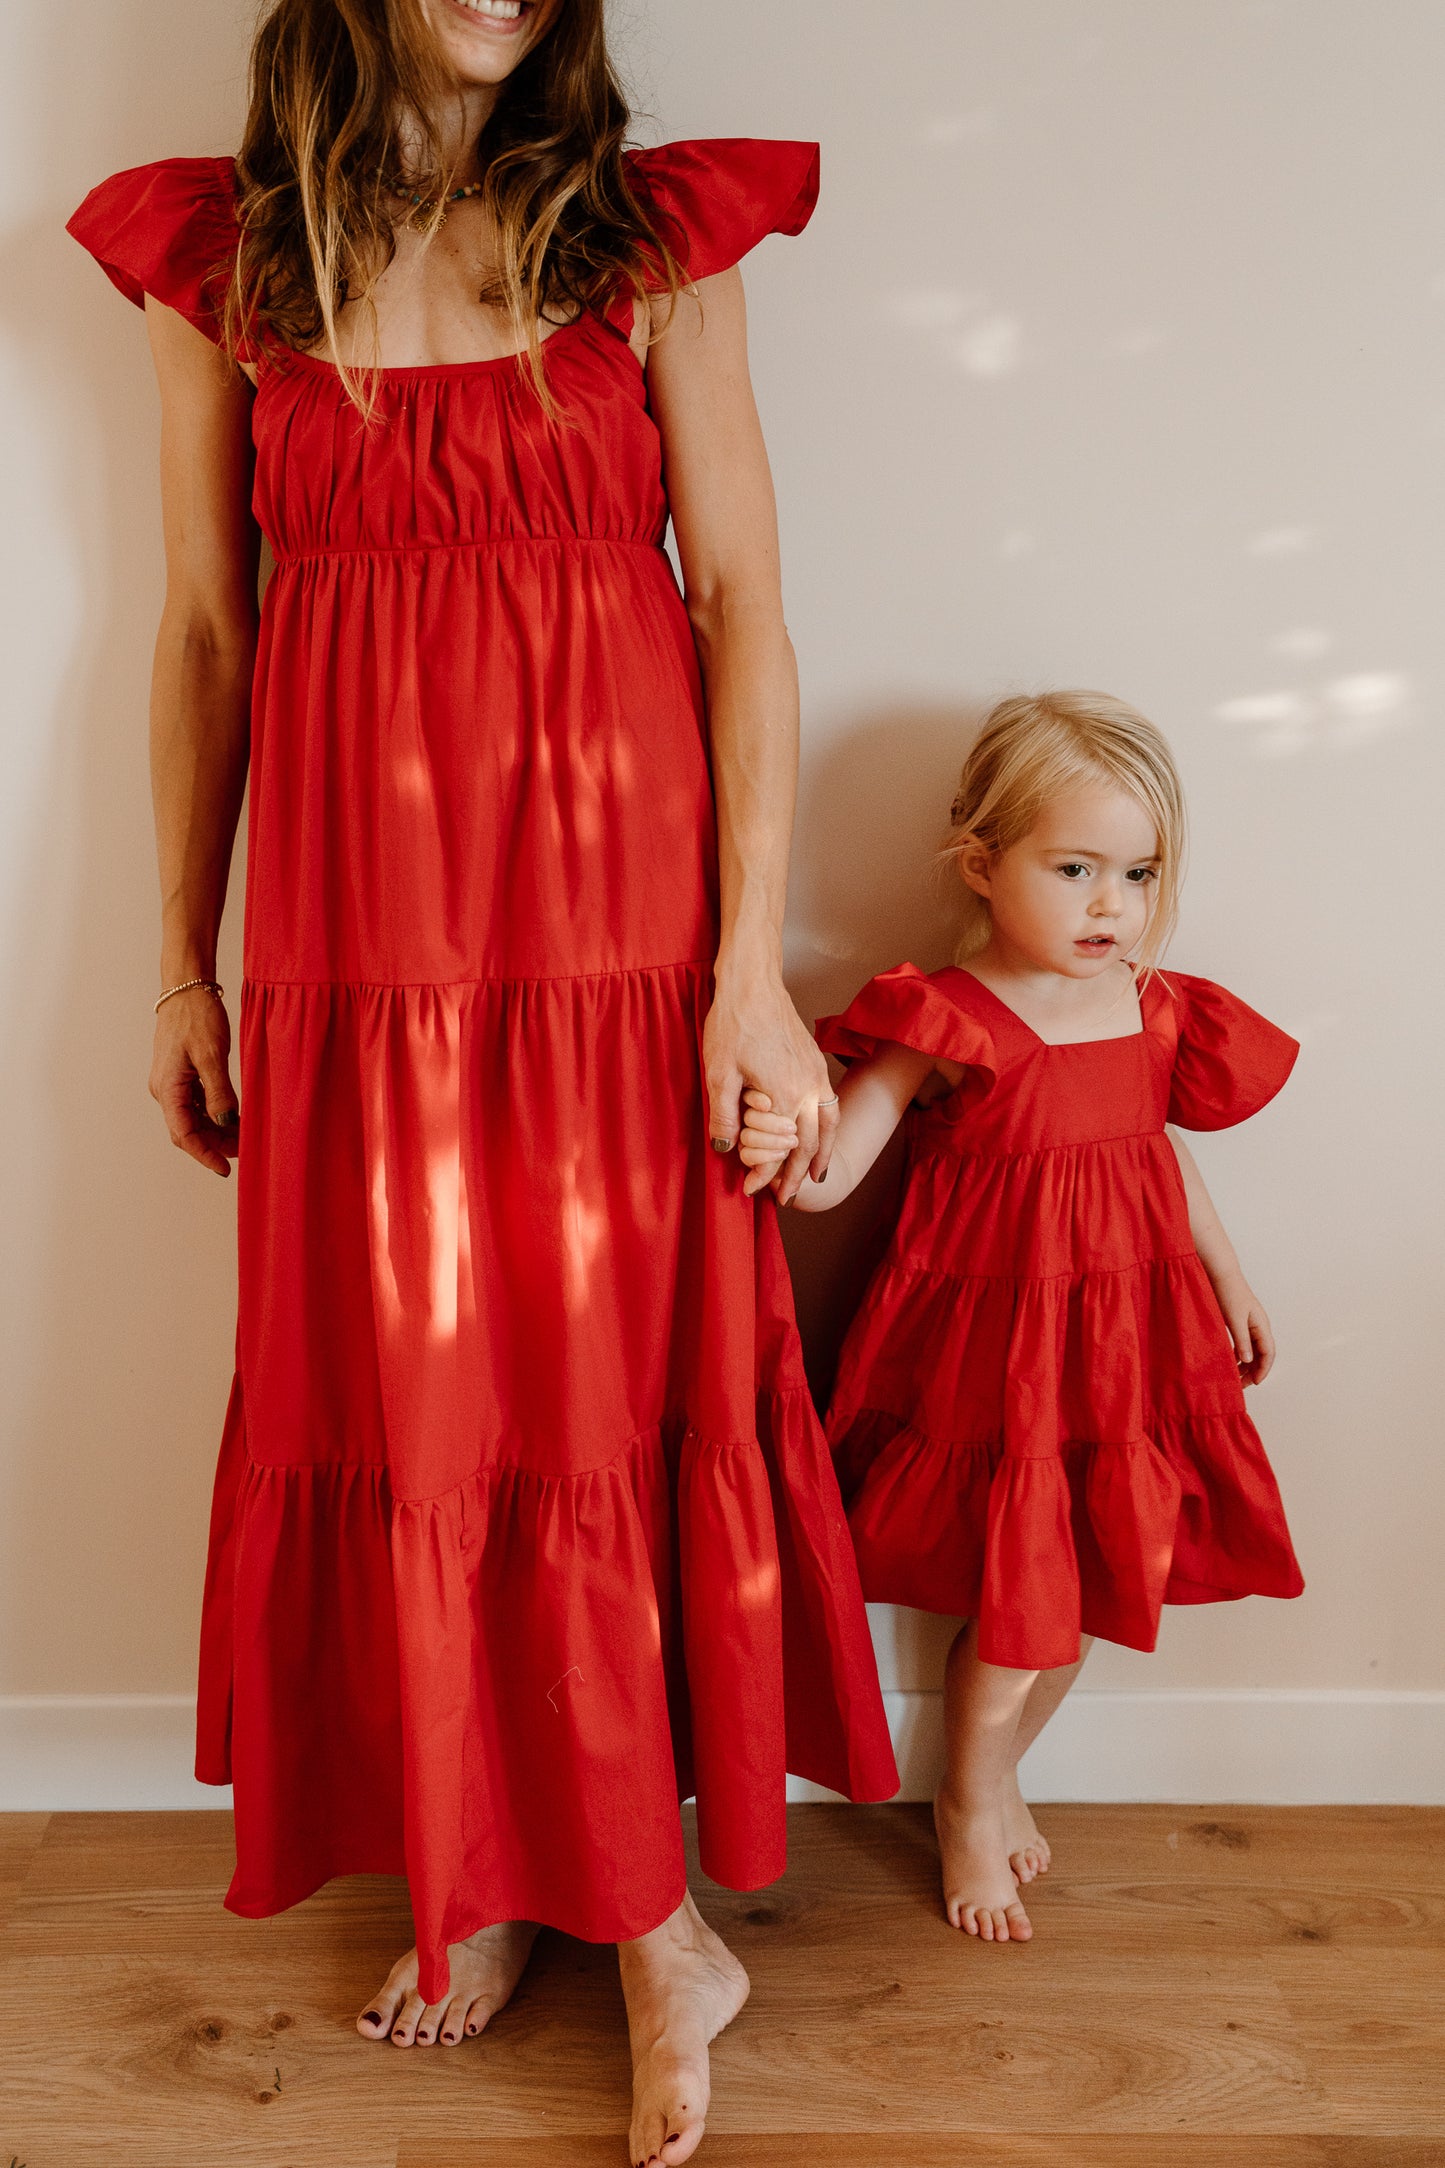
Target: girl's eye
<point>1140,874</point>
<point>1073,870</point>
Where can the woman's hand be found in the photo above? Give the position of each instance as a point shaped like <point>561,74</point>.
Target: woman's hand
<point>1249,1328</point>
<point>754,1036</point>
<point>191,1078</point>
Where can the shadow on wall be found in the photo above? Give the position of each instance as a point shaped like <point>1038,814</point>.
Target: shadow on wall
<point>123,1318</point>
<point>865,895</point>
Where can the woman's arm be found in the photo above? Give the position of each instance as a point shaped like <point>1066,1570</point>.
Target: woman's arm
<point>720,493</point>
<point>1249,1327</point>
<point>200,715</point>
<point>872,1100</point>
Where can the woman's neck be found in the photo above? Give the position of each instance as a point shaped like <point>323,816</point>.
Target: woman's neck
<point>457,131</point>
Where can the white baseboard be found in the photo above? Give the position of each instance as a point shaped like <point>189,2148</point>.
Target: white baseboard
<point>1250,1746</point>
<point>89,1752</point>
<point>1247,1746</point>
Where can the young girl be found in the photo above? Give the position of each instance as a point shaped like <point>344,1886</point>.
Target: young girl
<point>1038,1416</point>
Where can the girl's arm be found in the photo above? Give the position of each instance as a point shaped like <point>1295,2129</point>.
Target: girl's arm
<point>200,715</point>
<point>1249,1327</point>
<point>720,494</point>
<point>872,1099</point>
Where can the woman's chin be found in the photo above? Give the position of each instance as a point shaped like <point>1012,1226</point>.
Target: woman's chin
<point>484,49</point>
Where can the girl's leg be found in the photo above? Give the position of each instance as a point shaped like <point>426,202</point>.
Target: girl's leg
<point>1029,1852</point>
<point>982,1706</point>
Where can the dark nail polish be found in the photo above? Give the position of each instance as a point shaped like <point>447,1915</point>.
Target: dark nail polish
<point>371,2017</point>
<point>823,1176</point>
<point>722,1144</point>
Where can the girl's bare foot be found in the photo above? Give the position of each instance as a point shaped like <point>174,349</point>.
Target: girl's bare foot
<point>485,1970</point>
<point>682,1985</point>
<point>980,1891</point>
<point>1028,1849</point>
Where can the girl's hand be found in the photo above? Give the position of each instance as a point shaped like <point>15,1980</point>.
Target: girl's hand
<point>190,1078</point>
<point>766,1141</point>
<point>755,1037</point>
<point>1249,1327</point>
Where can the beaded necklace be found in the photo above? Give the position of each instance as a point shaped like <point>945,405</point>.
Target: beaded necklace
<point>426,204</point>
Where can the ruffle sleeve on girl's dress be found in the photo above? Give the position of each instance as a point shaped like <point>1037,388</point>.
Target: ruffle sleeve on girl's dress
<point>1229,1061</point>
<point>907,1007</point>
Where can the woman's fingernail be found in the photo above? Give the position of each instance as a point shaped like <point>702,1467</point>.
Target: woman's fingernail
<point>722,1144</point>
<point>823,1176</point>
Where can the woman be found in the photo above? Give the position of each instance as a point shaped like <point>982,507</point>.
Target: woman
<point>523,1526</point>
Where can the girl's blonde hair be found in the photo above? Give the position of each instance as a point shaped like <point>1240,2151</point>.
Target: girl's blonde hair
<point>1038,745</point>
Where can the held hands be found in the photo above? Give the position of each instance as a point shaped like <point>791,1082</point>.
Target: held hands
<point>1249,1328</point>
<point>767,1140</point>
<point>754,1038</point>
<point>190,1078</point>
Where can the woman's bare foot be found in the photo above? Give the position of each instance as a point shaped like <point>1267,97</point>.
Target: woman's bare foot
<point>1029,1853</point>
<point>682,1985</point>
<point>485,1971</point>
<point>980,1891</point>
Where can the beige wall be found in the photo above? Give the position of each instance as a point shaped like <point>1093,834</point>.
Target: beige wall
<point>1112,357</point>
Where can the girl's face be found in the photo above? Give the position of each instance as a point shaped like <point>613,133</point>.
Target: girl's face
<point>1075,893</point>
<point>484,39</point>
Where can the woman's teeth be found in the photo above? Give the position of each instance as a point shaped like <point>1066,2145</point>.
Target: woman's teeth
<point>500,11</point>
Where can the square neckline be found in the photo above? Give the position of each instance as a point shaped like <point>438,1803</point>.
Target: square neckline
<point>1117,1038</point>
<point>449,368</point>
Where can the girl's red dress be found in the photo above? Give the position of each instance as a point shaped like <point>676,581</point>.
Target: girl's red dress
<point>1038,1420</point>
<point>524,1525</point>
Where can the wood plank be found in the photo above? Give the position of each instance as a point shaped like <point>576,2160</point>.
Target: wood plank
<point>890,1848</point>
<point>1371,2038</point>
<point>19,1836</point>
<point>910,2149</point>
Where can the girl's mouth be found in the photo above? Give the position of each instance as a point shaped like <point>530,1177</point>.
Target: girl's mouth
<point>1095,943</point>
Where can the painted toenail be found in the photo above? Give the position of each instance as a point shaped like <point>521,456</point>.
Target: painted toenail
<point>371,2017</point>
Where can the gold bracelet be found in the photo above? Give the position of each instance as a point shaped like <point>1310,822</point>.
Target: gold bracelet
<point>212,986</point>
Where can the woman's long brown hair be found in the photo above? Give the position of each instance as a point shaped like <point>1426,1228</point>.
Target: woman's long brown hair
<point>337,85</point>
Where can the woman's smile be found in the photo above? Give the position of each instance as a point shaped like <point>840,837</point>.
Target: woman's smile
<point>502,18</point>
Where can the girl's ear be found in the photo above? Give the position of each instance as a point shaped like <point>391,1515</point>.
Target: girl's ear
<point>975,866</point>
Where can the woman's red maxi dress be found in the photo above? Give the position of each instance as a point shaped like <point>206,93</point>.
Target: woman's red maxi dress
<point>1038,1418</point>
<point>524,1525</point>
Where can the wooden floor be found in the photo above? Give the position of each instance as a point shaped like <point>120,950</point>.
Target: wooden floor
<point>1208,1988</point>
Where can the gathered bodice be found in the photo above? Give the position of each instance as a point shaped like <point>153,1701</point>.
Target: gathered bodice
<point>462,454</point>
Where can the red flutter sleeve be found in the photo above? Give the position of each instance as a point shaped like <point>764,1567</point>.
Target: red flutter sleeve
<point>1229,1061</point>
<point>167,229</point>
<point>715,199</point>
<point>907,1007</point>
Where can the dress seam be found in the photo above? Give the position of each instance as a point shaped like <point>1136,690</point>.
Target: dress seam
<point>491,978</point>
<point>920,1152</point>
<point>467,542</point>
<point>383,1468</point>
<point>904,1263</point>
<point>996,1443</point>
